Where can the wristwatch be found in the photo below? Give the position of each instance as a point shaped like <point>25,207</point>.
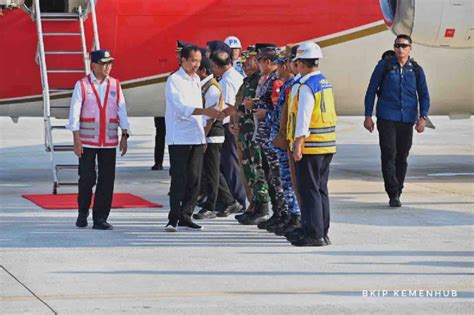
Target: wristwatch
<point>126,135</point>
<point>424,117</point>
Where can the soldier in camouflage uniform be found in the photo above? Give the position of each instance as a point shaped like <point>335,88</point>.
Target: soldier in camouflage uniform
<point>251,153</point>
<point>267,94</point>
<point>278,136</point>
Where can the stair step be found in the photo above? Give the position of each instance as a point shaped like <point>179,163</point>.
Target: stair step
<point>63,147</point>
<point>59,14</point>
<point>60,90</point>
<point>67,184</point>
<point>61,34</point>
<point>65,71</point>
<point>64,52</point>
<point>60,107</point>
<point>66,166</point>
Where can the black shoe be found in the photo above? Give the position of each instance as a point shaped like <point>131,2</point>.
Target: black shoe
<point>309,241</point>
<point>264,224</point>
<point>294,221</point>
<point>395,202</point>
<point>103,226</point>
<point>295,234</point>
<point>282,219</point>
<point>189,224</point>
<point>253,219</point>
<point>204,214</point>
<point>260,214</point>
<point>157,167</point>
<point>327,240</point>
<point>249,210</point>
<point>171,227</point>
<point>233,208</point>
<point>81,221</point>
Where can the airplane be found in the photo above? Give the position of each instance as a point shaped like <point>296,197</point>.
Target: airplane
<point>142,36</point>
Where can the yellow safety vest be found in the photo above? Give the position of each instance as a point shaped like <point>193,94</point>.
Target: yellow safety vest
<point>322,128</point>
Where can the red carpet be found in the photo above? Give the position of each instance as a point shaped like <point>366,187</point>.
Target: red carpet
<point>69,201</point>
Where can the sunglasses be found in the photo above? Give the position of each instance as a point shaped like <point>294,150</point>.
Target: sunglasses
<point>401,46</point>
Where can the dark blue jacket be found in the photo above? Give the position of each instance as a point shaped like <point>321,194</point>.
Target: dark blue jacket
<point>399,93</point>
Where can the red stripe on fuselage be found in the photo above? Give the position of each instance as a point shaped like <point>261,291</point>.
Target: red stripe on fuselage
<point>142,34</point>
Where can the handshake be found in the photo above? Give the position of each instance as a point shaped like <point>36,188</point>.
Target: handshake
<point>219,115</point>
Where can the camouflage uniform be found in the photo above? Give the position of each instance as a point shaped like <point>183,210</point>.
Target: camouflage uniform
<point>274,120</point>
<point>264,93</point>
<point>251,153</point>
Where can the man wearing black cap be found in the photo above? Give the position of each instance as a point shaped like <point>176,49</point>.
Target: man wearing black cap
<point>97,110</point>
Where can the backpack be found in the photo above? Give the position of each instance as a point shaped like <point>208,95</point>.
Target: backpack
<point>388,67</point>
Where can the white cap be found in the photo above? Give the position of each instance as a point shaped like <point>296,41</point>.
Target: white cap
<point>233,42</point>
<point>308,50</point>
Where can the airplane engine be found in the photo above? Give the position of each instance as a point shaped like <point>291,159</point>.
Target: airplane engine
<point>437,23</point>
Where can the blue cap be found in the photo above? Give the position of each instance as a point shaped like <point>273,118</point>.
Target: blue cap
<point>101,56</point>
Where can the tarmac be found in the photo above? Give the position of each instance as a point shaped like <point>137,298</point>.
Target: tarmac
<point>413,259</point>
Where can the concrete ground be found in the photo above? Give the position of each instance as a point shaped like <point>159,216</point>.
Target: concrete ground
<point>379,256</point>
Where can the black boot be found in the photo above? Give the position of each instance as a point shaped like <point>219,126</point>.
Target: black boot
<point>249,211</point>
<point>260,214</point>
<point>282,219</point>
<point>293,223</point>
<point>262,225</point>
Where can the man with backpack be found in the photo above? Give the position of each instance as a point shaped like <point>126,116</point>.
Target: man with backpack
<point>400,84</point>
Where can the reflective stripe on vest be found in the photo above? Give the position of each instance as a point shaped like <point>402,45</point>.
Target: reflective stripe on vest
<point>322,137</point>
<point>99,122</point>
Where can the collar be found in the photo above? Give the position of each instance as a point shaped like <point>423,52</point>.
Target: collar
<point>207,79</point>
<point>94,79</point>
<point>309,75</point>
<point>186,76</point>
<point>227,73</point>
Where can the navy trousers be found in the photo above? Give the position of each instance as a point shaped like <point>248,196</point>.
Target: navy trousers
<point>395,139</point>
<point>105,182</point>
<point>230,167</point>
<point>312,174</point>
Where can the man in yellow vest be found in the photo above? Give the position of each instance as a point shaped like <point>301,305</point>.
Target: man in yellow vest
<point>312,134</point>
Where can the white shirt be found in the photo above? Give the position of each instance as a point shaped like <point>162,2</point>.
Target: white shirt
<point>305,107</point>
<point>211,99</point>
<point>76,106</point>
<point>230,83</point>
<point>183,96</point>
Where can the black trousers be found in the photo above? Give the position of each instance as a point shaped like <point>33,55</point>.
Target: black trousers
<point>230,167</point>
<point>160,140</point>
<point>312,174</point>
<point>105,182</point>
<point>186,168</point>
<point>395,139</point>
<point>214,181</point>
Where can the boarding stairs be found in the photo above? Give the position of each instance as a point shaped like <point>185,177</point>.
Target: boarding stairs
<point>59,40</point>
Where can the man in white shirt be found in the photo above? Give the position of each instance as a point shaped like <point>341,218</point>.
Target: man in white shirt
<point>185,137</point>
<point>97,110</point>
<point>230,83</point>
